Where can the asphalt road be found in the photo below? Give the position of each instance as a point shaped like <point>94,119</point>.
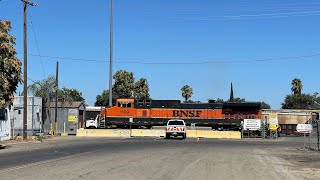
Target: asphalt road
<point>146,158</point>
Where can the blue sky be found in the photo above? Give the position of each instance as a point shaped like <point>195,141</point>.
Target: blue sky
<point>259,46</point>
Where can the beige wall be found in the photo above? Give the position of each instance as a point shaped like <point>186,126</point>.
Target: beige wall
<point>289,116</point>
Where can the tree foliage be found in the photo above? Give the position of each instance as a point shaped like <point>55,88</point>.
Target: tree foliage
<point>46,90</point>
<point>10,65</point>
<point>296,86</point>
<point>103,99</point>
<point>186,92</point>
<point>265,105</point>
<point>123,84</point>
<point>141,89</point>
<point>237,100</point>
<point>43,88</point>
<point>124,87</point>
<point>70,94</point>
<point>301,101</point>
<point>219,100</point>
<point>231,100</point>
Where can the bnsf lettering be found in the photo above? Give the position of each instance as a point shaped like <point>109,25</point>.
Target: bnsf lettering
<point>182,113</point>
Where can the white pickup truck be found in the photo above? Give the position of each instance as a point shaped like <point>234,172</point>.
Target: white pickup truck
<point>175,128</point>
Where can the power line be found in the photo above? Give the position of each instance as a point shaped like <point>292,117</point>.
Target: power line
<point>141,61</point>
<point>249,16</point>
<point>37,44</point>
<point>202,10</point>
<point>31,80</point>
<point>67,58</point>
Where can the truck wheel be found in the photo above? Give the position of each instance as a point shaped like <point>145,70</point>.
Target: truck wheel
<point>184,136</point>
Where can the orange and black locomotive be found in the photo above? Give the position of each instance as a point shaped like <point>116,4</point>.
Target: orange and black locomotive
<point>227,115</point>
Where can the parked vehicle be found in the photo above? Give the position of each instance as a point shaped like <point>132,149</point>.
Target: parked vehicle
<point>92,123</point>
<point>175,128</point>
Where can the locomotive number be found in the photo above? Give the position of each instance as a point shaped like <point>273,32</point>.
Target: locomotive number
<point>124,111</point>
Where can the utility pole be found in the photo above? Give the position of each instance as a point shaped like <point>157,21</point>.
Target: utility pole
<point>111,51</point>
<point>25,67</point>
<point>56,103</point>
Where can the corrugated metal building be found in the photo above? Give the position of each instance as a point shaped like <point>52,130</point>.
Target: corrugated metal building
<point>70,116</point>
<point>5,126</point>
<point>289,118</point>
<point>34,115</point>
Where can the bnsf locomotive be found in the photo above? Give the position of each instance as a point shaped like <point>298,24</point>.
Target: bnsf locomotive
<point>149,113</point>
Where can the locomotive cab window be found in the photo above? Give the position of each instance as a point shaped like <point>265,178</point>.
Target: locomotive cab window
<point>125,104</point>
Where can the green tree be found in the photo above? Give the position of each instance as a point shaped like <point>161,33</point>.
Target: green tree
<point>219,100</point>
<point>301,101</point>
<point>141,90</point>
<point>186,92</point>
<point>265,105</point>
<point>10,65</point>
<point>124,87</point>
<point>44,89</point>
<point>103,99</point>
<point>123,84</point>
<point>70,94</point>
<point>296,86</point>
<point>237,100</point>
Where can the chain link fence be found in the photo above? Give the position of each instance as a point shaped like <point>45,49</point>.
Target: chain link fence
<point>312,142</point>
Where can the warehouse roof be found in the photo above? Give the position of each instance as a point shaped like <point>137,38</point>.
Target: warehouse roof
<point>72,104</point>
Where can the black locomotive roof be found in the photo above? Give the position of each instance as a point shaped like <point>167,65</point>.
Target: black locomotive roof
<point>241,105</point>
<point>177,104</point>
<point>200,105</point>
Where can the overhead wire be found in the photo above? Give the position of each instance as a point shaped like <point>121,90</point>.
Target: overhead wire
<point>249,16</point>
<point>141,61</point>
<point>37,45</point>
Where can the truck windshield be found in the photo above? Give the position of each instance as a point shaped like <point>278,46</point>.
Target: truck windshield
<point>175,123</point>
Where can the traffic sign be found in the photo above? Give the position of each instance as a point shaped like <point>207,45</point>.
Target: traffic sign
<point>72,118</point>
<point>304,128</point>
<point>252,124</point>
<point>273,121</point>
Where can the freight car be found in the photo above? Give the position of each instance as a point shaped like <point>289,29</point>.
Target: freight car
<point>149,113</point>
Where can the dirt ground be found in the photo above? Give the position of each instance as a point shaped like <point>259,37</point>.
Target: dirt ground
<point>304,163</point>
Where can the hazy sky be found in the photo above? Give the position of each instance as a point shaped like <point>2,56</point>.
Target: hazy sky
<point>259,46</point>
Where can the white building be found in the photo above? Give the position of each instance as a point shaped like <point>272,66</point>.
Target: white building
<point>34,115</point>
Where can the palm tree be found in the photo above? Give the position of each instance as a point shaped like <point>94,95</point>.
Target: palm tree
<point>44,89</point>
<point>296,86</point>
<point>186,92</point>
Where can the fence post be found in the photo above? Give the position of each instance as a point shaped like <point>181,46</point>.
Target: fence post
<point>304,140</point>
<point>310,134</point>
<point>318,134</point>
